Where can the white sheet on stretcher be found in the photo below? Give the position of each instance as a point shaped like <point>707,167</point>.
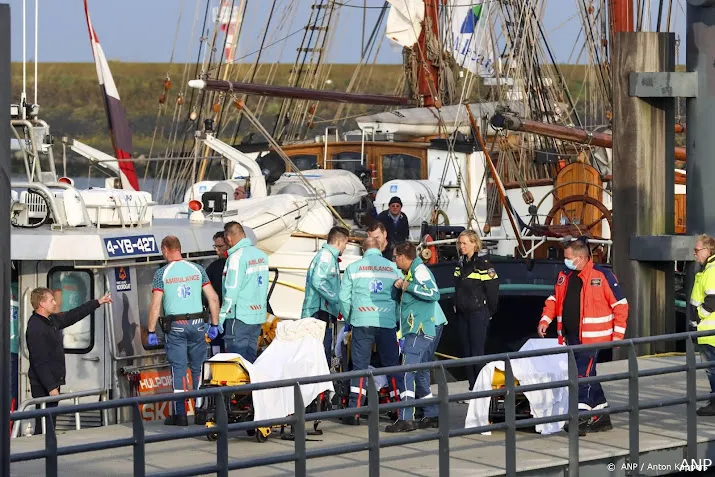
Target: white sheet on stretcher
<point>296,352</point>
<point>540,369</point>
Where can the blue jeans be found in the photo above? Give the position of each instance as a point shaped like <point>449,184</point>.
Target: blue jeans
<point>323,315</point>
<point>388,351</point>
<point>416,349</point>
<point>437,337</point>
<point>241,338</point>
<point>707,354</point>
<point>186,347</point>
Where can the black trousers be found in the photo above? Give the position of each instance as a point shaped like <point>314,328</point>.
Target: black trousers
<point>38,392</point>
<point>472,327</point>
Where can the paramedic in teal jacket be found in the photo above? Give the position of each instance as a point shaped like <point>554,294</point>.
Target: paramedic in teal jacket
<point>245,293</point>
<point>322,284</point>
<point>368,304</point>
<point>177,289</point>
<point>419,315</point>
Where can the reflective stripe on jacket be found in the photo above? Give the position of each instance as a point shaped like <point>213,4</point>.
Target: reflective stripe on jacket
<point>703,299</point>
<point>368,296</point>
<point>419,307</point>
<point>604,308</point>
<point>476,285</point>
<point>245,284</point>
<point>322,283</point>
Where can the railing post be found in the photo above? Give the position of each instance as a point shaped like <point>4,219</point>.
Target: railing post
<point>373,429</point>
<point>299,432</point>
<point>443,391</point>
<point>44,420</point>
<point>510,417</point>
<point>691,419</point>
<point>51,448</point>
<point>573,415</point>
<point>633,415</point>
<point>139,444</point>
<point>222,441</point>
<point>77,421</point>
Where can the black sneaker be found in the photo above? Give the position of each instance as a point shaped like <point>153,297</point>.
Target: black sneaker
<point>428,423</point>
<point>598,424</point>
<point>350,420</point>
<point>708,410</point>
<point>581,427</point>
<point>401,425</point>
<point>175,420</point>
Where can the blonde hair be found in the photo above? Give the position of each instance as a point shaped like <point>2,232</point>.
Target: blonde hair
<point>707,241</point>
<point>37,296</point>
<point>473,237</point>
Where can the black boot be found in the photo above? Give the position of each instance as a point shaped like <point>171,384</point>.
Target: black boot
<point>350,420</point>
<point>598,424</point>
<point>708,410</point>
<point>428,423</point>
<point>176,420</point>
<point>401,425</point>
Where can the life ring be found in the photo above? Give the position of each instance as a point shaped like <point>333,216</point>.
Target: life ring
<point>429,252</point>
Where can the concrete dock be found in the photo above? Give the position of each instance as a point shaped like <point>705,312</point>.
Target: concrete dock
<point>662,443</point>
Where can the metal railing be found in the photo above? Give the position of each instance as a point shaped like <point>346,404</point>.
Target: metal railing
<point>74,397</point>
<point>301,454</point>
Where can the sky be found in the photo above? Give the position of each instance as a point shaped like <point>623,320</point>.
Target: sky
<point>144,30</point>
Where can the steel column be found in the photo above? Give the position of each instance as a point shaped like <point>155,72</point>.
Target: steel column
<point>5,234</point>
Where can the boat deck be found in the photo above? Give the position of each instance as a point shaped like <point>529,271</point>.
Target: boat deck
<point>662,443</point>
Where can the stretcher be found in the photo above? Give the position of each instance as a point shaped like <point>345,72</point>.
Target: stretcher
<point>497,409</point>
<point>230,370</point>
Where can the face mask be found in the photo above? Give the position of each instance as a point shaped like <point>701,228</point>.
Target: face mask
<point>569,264</point>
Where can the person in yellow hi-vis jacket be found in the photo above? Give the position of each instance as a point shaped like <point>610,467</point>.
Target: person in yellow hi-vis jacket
<point>703,299</point>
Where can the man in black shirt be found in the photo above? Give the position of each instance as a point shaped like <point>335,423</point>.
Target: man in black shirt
<point>45,343</point>
<point>215,269</point>
<point>377,231</point>
<point>215,274</point>
<point>572,309</point>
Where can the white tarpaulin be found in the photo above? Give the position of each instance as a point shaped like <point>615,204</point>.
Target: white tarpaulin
<point>404,22</point>
<point>536,370</point>
<point>296,352</point>
<point>472,36</point>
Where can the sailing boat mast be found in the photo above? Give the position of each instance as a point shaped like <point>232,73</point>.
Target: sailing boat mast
<point>427,71</point>
<point>621,16</point>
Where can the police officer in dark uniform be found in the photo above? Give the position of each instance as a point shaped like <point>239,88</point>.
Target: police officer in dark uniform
<point>476,298</point>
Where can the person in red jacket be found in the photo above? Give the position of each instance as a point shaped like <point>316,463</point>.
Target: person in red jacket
<point>589,307</point>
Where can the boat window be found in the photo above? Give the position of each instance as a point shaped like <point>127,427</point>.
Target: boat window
<point>145,278</point>
<point>71,289</point>
<point>348,161</point>
<point>305,162</point>
<point>401,166</point>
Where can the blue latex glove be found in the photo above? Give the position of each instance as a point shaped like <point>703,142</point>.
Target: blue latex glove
<point>213,332</point>
<point>402,345</point>
<point>347,327</point>
<point>152,340</point>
